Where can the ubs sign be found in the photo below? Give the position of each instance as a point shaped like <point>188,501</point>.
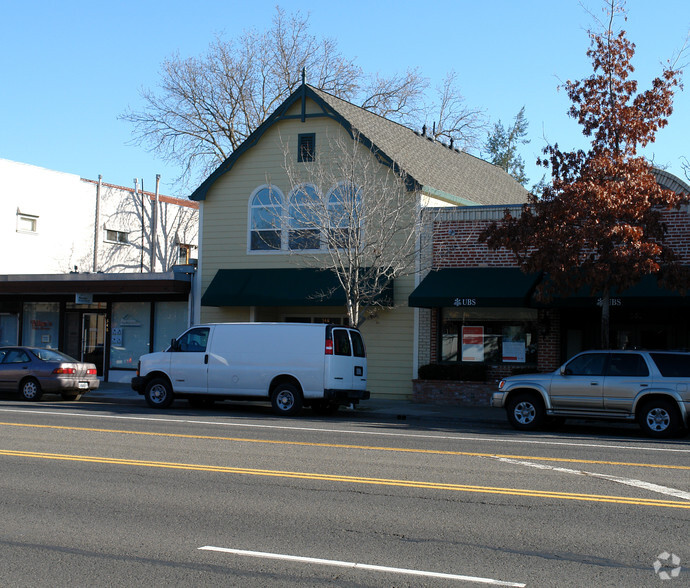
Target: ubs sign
<point>465,302</point>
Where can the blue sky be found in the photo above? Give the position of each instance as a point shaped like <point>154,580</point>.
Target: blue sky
<point>70,68</point>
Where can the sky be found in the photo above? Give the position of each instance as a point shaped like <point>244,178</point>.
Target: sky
<point>70,68</point>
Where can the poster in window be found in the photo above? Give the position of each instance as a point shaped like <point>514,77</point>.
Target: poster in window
<point>473,344</point>
<point>514,349</point>
<point>514,352</point>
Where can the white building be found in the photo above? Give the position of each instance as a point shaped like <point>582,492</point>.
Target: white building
<point>99,271</point>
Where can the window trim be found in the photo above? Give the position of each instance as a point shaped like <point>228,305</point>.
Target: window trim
<point>304,155</point>
<point>250,208</point>
<point>25,217</point>
<point>118,240</point>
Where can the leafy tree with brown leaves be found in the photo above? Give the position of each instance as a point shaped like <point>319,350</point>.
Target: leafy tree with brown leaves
<point>598,223</point>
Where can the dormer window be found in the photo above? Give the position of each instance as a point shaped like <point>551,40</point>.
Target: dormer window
<point>306,147</point>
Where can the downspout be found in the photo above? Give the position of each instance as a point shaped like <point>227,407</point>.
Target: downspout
<point>97,223</point>
<point>154,226</point>
<point>136,193</point>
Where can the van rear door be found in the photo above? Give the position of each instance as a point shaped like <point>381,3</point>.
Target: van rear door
<point>346,367</point>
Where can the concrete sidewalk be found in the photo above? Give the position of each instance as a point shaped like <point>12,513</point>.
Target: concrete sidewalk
<point>401,410</point>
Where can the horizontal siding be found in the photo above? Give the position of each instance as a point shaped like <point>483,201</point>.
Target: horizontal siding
<point>389,337</point>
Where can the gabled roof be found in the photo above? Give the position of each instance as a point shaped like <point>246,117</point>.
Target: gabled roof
<point>438,170</point>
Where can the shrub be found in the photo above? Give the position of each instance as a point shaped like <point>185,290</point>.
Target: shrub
<point>469,372</point>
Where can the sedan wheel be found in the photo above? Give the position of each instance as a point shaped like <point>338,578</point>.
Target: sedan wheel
<point>30,390</point>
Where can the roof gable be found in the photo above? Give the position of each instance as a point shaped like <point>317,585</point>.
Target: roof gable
<point>436,169</point>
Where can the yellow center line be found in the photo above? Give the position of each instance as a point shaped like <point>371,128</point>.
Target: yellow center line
<point>346,446</point>
<point>353,479</point>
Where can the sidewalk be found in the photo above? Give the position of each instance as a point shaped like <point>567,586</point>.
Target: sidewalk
<point>400,410</point>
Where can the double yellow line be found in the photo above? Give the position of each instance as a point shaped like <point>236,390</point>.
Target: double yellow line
<point>351,479</point>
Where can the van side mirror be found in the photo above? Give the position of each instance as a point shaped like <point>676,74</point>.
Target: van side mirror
<point>174,345</point>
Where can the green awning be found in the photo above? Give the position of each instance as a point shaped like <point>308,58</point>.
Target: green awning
<point>278,287</point>
<point>475,287</point>
<point>646,293</point>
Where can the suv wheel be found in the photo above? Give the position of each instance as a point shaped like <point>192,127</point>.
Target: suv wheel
<point>659,418</point>
<point>526,411</point>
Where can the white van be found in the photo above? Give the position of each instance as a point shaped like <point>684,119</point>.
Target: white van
<point>290,364</point>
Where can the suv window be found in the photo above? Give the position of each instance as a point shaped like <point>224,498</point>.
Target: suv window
<point>588,364</point>
<point>672,365</point>
<point>357,344</point>
<point>627,364</point>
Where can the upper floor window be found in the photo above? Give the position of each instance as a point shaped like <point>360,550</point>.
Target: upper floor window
<point>113,236</point>
<point>306,147</point>
<point>344,215</point>
<point>27,223</point>
<point>303,217</point>
<point>265,219</point>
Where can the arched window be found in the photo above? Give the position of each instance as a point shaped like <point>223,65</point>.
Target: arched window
<point>304,228</point>
<point>344,216</point>
<point>266,213</point>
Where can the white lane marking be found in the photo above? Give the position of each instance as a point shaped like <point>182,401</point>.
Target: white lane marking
<point>360,566</point>
<point>619,480</point>
<point>478,439</point>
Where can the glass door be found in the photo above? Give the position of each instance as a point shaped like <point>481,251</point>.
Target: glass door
<point>93,326</point>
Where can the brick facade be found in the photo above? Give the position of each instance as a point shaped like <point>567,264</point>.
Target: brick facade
<point>455,245</point>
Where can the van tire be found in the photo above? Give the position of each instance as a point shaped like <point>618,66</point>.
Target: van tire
<point>286,400</point>
<point>158,393</point>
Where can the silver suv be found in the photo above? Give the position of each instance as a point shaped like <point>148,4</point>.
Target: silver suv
<point>652,387</point>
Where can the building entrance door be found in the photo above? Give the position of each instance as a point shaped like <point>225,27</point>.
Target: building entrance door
<point>93,327</point>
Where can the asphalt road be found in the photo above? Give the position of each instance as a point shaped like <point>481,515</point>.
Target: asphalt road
<point>114,495</point>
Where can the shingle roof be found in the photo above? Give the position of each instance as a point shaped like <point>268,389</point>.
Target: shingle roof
<point>439,170</point>
<point>431,163</point>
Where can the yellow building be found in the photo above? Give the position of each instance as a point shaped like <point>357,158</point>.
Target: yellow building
<point>258,262</point>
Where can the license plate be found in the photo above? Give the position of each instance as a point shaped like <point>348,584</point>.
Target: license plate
<point>83,385</point>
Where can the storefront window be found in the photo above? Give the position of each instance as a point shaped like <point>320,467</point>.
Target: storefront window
<point>130,333</point>
<point>9,329</point>
<point>170,320</point>
<point>489,335</point>
<point>40,324</point>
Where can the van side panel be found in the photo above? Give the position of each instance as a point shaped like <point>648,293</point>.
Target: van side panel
<point>245,358</point>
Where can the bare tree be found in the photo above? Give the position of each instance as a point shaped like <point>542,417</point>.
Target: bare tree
<point>452,119</point>
<point>205,107</point>
<point>351,214</point>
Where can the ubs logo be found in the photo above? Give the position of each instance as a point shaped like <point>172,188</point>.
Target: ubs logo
<point>465,302</point>
<point>612,302</point>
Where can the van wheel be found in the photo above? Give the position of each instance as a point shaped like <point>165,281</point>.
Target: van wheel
<point>659,418</point>
<point>158,393</point>
<point>526,411</point>
<point>286,400</point>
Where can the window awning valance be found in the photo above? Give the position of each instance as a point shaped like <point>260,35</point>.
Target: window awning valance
<point>278,287</point>
<point>475,287</point>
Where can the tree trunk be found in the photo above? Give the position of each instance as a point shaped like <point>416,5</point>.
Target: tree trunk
<point>606,319</point>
